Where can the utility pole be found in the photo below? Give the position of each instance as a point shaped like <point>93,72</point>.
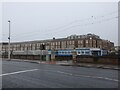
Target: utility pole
<point>9,42</point>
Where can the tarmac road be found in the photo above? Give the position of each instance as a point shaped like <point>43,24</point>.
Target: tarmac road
<point>32,75</point>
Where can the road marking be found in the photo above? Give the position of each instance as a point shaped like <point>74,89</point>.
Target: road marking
<point>88,76</point>
<point>17,72</point>
<point>78,75</point>
<point>65,73</point>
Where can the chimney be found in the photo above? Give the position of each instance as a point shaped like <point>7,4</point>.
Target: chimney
<point>53,38</point>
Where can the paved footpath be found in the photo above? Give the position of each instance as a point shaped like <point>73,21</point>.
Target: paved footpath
<point>68,63</point>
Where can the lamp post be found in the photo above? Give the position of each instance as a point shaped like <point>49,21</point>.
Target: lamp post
<point>9,42</point>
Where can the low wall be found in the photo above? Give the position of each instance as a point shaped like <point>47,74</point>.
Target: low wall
<point>61,58</point>
<point>29,57</point>
<point>98,60</point>
<point>113,60</point>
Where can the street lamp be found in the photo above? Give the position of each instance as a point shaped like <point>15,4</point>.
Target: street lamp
<point>9,42</point>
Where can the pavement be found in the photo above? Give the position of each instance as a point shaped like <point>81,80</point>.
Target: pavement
<point>22,74</point>
<point>69,63</point>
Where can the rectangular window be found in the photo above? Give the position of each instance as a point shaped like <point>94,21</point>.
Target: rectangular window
<point>82,52</point>
<point>56,43</point>
<point>81,42</point>
<point>53,43</point>
<point>72,42</point>
<point>86,41</point>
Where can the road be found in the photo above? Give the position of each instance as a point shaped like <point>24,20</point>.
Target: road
<point>32,75</point>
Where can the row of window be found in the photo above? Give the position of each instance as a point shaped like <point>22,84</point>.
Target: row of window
<point>64,52</point>
<point>58,45</point>
<point>83,52</point>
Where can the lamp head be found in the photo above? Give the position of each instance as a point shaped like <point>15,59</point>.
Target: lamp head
<point>8,20</point>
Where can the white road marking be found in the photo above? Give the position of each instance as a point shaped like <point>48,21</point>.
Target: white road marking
<point>17,72</point>
<point>88,76</point>
<point>65,73</point>
<point>78,75</point>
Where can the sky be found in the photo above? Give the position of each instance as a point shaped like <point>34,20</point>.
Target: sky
<point>45,20</point>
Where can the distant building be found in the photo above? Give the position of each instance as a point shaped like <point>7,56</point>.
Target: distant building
<point>115,50</point>
<point>70,42</point>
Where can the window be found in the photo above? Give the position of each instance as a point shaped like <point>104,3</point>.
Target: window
<point>53,43</point>
<point>72,42</point>
<point>86,41</point>
<point>66,52</point>
<point>69,52</point>
<point>81,41</point>
<point>82,52</point>
<point>87,52</point>
<point>67,42</point>
<point>56,43</point>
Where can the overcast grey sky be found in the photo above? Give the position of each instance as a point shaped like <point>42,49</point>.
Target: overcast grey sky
<point>45,20</point>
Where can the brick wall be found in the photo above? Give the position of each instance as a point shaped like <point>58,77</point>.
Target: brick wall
<point>113,60</point>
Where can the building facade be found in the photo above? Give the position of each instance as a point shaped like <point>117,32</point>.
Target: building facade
<point>70,42</point>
